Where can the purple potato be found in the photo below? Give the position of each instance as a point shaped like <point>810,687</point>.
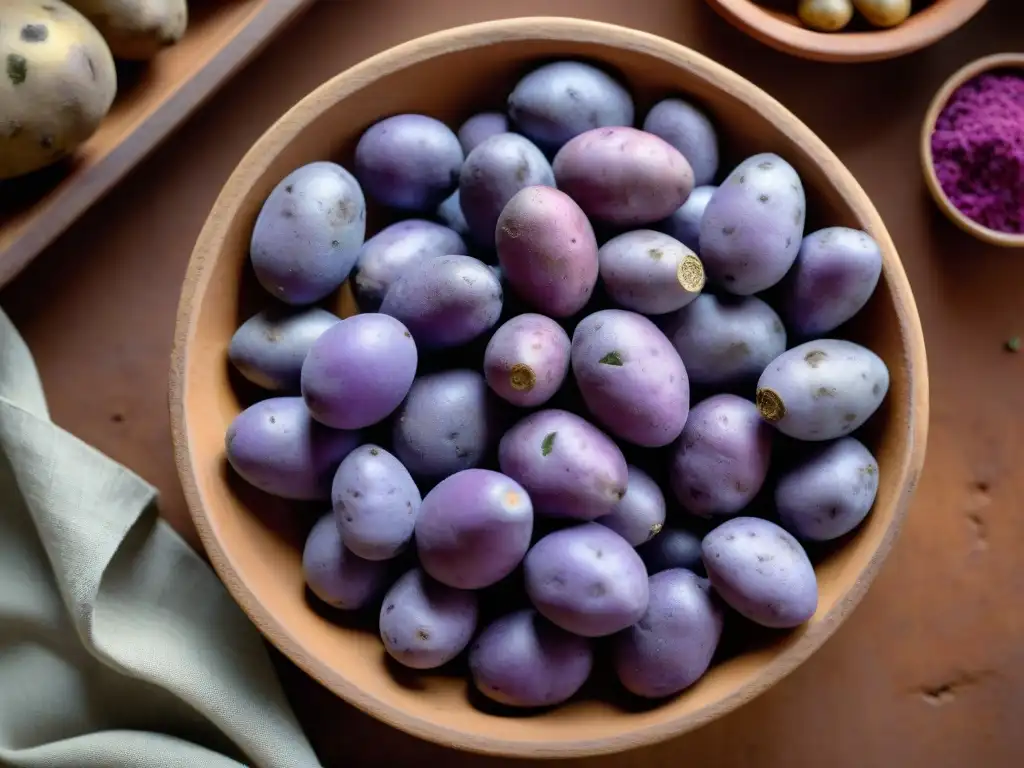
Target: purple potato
<point>751,229</point>
<point>587,580</point>
<point>308,233</point>
<point>547,251</point>
<point>335,575</point>
<point>622,176</point>
<point>277,447</point>
<point>425,624</point>
<point>834,275</point>
<point>563,99</point>
<point>640,514</point>
<point>722,458</point>
<point>391,252</point>
<point>690,131</point>
<point>448,423</point>
<point>359,371</point>
<point>630,377</point>
<point>474,529</point>
<point>450,213</point>
<point>375,503</point>
<point>527,360</point>
<point>269,347</point>
<point>480,127</point>
<point>445,301</point>
<point>410,162</point>
<point>671,647</point>
<point>672,548</point>
<point>523,660</point>
<point>829,493</point>
<point>823,389</point>
<point>684,224</point>
<point>761,571</point>
<point>726,340</point>
<point>493,172</point>
<point>569,467</point>
<point>650,272</point>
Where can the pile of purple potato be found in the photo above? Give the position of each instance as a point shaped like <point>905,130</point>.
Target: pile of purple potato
<point>505,433</point>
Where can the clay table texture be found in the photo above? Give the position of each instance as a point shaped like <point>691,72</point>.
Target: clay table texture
<point>929,669</point>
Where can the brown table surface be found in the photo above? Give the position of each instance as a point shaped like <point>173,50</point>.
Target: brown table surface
<point>928,671</point>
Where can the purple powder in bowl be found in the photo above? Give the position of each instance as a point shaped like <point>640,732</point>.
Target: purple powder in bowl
<point>978,150</point>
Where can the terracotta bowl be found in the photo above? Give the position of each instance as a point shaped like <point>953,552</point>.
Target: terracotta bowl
<point>781,29</point>
<point>254,542</point>
<point>961,76</point>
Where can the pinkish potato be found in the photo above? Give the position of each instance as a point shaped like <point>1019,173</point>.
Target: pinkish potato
<point>623,176</point>
<point>527,360</point>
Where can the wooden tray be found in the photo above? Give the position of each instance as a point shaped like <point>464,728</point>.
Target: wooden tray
<point>153,99</point>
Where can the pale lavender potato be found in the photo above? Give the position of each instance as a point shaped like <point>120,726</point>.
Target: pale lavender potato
<point>823,389</point>
<point>722,457</point>
<point>493,172</point>
<point>335,575</point>
<point>446,424</point>
<point>630,376</point>
<point>480,127</point>
<point>277,447</point>
<point>445,301</point>
<point>425,624</point>
<point>569,467</point>
<point>308,233</point>
<point>672,548</point>
<point>830,492</point>
<point>375,503</point>
<point>684,224</point>
<point>410,162</point>
<point>622,176</point>
<point>726,340</point>
<point>269,347</point>
<point>359,371</point>
<point>835,273</point>
<point>391,252</point>
<point>752,227</point>
<point>450,214</point>
<point>689,130</point>
<point>586,580</point>
<point>560,100</point>
<point>527,360</point>
<point>671,647</point>
<point>649,272</point>
<point>474,529</point>
<point>761,571</point>
<point>547,251</point>
<point>523,660</point>
<point>640,514</point>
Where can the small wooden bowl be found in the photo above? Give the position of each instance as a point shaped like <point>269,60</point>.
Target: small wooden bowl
<point>961,76</point>
<point>255,543</point>
<point>785,32</point>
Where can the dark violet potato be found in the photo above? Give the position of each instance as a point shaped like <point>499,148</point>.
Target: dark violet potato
<point>269,347</point>
<point>481,127</point>
<point>523,660</point>
<point>640,514</point>
<point>335,575</point>
<point>527,360</point>
<point>672,548</point>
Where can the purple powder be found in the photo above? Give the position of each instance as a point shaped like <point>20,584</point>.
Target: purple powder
<point>978,150</point>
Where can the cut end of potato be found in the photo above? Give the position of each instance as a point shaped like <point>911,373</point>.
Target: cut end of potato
<point>690,274</point>
<point>770,405</point>
<point>522,378</point>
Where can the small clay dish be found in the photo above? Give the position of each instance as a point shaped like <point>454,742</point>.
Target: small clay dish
<point>961,76</point>
<point>783,31</point>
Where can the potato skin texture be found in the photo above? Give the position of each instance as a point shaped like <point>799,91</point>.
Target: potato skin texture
<point>631,377</point>
<point>136,30</point>
<point>640,514</point>
<point>684,224</point>
<point>622,176</point>
<point>480,127</point>
<point>689,130</point>
<point>649,272</point>
<point>57,84</point>
<point>825,15</point>
<point>335,575</point>
<point>527,360</point>
<point>547,251</point>
<point>761,571</point>
<point>268,349</point>
<point>830,492</point>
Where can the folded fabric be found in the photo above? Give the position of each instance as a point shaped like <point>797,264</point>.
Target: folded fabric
<point>119,647</point>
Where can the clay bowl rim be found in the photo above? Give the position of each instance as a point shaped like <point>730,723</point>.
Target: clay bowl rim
<point>912,360</point>
<point>939,101</point>
<point>922,29</point>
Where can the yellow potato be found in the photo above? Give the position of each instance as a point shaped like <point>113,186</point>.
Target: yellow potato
<point>825,15</point>
<point>57,82</point>
<point>136,29</point>
<point>883,13</point>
